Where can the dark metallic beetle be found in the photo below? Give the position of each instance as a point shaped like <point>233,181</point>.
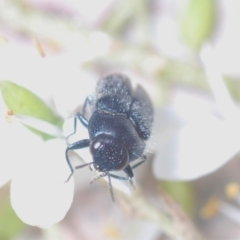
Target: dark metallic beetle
<point>120,123</point>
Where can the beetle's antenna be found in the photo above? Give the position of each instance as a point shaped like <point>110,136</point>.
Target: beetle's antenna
<point>110,187</point>
<point>83,165</point>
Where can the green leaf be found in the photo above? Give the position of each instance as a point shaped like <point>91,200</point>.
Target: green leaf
<point>197,22</point>
<point>23,102</point>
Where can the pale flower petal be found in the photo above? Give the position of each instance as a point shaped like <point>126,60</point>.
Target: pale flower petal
<point>191,150</point>
<point>40,194</point>
<point>72,82</point>
<point>15,140</point>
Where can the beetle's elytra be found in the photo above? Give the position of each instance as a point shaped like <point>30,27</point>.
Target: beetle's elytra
<point>120,123</point>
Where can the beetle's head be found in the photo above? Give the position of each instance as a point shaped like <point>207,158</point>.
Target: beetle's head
<point>108,154</point>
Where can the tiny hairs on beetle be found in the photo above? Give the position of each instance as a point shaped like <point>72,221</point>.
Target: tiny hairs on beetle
<point>120,123</point>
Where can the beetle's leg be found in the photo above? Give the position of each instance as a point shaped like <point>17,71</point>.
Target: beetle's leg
<point>110,187</point>
<point>74,146</point>
<point>104,174</point>
<point>119,177</point>
<point>129,172</point>
<point>122,178</point>
<point>88,100</point>
<point>81,116</point>
<point>111,175</point>
<point>82,119</point>
<point>143,157</point>
<point>74,129</point>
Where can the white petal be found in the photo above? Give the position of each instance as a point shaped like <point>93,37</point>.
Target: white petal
<point>71,79</point>
<point>15,140</point>
<point>40,125</point>
<point>39,194</point>
<point>223,98</point>
<point>192,150</point>
<point>74,85</point>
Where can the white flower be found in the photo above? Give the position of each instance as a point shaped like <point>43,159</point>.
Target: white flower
<point>194,137</point>
<point>38,170</point>
<point>188,150</point>
<point>191,141</point>
<point>58,80</point>
<point>40,194</point>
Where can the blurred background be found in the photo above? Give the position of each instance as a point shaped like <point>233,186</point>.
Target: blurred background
<point>59,49</point>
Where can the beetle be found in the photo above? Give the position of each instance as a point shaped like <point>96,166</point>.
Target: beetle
<point>120,123</point>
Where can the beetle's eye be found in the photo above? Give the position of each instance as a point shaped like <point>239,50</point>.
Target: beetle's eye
<point>95,146</point>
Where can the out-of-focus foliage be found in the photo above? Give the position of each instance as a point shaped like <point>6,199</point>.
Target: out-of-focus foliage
<point>182,192</point>
<point>10,225</point>
<point>198,21</point>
